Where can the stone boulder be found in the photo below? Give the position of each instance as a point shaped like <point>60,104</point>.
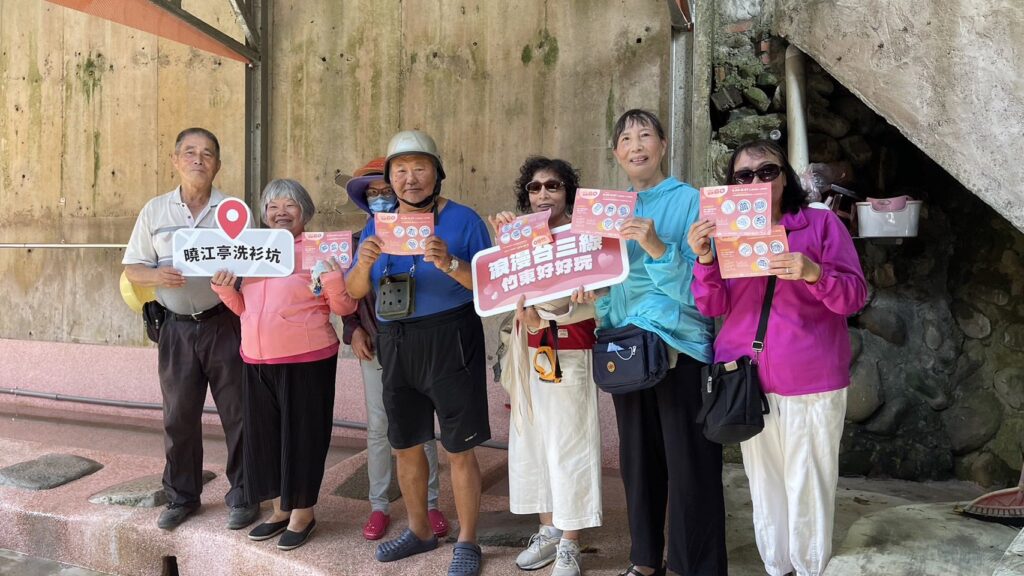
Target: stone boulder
<point>971,320</point>
<point>865,393</point>
<point>750,128</point>
<point>973,421</point>
<point>47,471</point>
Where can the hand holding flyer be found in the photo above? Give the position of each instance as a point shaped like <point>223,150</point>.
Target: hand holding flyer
<point>525,232</point>
<point>404,234</point>
<point>318,246</point>
<point>740,210</point>
<point>601,212</point>
<point>747,256</point>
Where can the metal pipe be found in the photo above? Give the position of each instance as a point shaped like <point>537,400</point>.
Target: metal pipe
<point>60,245</point>
<point>796,113</point>
<point>349,424</point>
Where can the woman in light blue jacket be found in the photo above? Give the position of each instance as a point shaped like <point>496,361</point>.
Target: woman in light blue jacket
<point>665,461</point>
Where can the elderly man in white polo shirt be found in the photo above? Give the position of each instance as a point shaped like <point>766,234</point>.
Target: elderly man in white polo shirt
<point>199,341</point>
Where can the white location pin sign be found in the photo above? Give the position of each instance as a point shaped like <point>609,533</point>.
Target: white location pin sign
<point>232,217</point>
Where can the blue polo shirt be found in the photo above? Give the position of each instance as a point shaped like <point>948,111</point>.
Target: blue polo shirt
<point>465,234</point>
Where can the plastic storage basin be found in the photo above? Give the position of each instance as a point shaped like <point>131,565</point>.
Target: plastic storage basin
<point>888,217</point>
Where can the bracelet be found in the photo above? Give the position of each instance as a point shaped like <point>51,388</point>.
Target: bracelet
<point>453,266</point>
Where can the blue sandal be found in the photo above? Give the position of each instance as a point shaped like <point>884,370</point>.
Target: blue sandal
<point>408,544</point>
<point>465,560</point>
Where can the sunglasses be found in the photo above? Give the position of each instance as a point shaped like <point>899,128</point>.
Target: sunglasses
<point>549,185</point>
<point>765,173</point>
<point>378,192</point>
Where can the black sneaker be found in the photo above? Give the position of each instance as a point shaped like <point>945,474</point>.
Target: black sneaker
<point>292,540</point>
<point>174,515</point>
<point>241,516</point>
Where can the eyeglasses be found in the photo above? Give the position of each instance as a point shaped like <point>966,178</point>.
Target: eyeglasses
<point>549,185</point>
<point>378,192</point>
<point>765,173</point>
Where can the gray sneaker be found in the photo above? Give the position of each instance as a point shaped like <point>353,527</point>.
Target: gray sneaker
<point>541,550</point>
<point>174,515</point>
<point>567,559</point>
<point>241,516</point>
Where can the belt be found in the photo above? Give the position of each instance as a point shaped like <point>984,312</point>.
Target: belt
<point>200,316</point>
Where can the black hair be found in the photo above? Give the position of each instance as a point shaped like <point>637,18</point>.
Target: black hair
<point>566,173</point>
<point>636,116</point>
<point>195,131</point>
<point>793,195</point>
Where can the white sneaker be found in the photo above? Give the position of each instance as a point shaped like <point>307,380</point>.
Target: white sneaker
<point>542,549</point>
<point>567,559</point>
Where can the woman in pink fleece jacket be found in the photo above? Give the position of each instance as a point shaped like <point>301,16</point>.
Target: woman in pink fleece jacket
<point>804,368</point>
<point>290,351</point>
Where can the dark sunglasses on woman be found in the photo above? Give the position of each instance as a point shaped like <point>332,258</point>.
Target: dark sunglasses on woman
<point>549,185</point>
<point>765,173</point>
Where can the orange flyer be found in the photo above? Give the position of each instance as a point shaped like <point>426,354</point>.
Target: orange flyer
<point>747,256</point>
<point>601,212</point>
<point>740,210</point>
<point>525,232</point>
<point>323,245</point>
<point>404,234</point>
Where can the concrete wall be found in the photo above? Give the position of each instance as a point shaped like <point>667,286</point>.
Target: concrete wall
<point>947,74</point>
<point>88,115</point>
<point>89,110</point>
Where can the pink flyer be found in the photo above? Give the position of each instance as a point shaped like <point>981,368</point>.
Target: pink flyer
<point>546,272</point>
<point>740,210</point>
<point>404,234</point>
<point>525,232</point>
<point>318,246</point>
<point>601,212</point>
<point>747,256</point>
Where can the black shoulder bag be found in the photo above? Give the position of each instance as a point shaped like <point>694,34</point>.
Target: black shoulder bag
<point>734,404</point>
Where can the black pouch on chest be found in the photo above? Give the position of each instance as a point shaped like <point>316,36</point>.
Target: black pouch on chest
<point>395,299</point>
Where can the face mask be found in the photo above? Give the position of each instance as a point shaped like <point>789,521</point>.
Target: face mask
<point>381,204</point>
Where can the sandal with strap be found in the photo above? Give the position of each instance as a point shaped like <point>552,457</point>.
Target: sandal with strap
<point>466,558</point>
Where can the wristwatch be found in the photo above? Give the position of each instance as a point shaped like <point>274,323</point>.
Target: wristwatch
<point>453,266</point>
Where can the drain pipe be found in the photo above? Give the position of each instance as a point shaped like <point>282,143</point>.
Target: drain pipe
<point>796,110</point>
<point>349,424</point>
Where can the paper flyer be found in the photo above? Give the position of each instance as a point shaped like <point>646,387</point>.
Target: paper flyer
<point>747,256</point>
<point>525,232</point>
<point>740,210</point>
<point>601,212</point>
<point>318,246</point>
<point>404,234</point>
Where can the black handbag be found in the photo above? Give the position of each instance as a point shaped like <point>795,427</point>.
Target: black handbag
<point>153,316</point>
<point>628,359</point>
<point>734,404</point>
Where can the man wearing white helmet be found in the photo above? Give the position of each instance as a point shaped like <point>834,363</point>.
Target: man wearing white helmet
<point>431,347</point>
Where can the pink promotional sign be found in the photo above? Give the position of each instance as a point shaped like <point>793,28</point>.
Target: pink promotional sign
<point>546,272</point>
<point>747,256</point>
<point>739,210</point>
<point>601,212</point>
<point>404,234</point>
<point>525,232</point>
<point>318,246</point>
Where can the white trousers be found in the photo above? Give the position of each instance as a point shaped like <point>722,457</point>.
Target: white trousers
<point>554,463</point>
<point>793,468</point>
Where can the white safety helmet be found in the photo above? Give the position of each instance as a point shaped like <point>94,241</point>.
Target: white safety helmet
<point>412,142</point>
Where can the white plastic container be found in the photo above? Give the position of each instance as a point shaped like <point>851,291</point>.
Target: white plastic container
<point>888,217</point>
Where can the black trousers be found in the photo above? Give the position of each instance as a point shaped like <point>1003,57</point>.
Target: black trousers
<point>289,414</point>
<point>193,354</point>
<point>665,461</point>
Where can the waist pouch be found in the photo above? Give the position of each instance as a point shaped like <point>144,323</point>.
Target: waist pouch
<point>395,298</point>
<point>628,359</point>
<point>153,316</point>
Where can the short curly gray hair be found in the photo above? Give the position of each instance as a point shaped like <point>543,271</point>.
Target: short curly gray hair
<point>288,188</point>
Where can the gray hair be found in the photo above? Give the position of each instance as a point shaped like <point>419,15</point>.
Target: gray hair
<point>195,131</point>
<point>288,188</point>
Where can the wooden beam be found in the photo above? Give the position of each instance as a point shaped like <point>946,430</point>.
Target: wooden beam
<point>214,34</point>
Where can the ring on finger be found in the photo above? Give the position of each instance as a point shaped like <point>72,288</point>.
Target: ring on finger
<point>787,270</point>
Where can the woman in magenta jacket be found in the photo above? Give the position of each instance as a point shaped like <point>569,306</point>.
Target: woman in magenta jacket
<point>792,464</point>
<point>290,350</point>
